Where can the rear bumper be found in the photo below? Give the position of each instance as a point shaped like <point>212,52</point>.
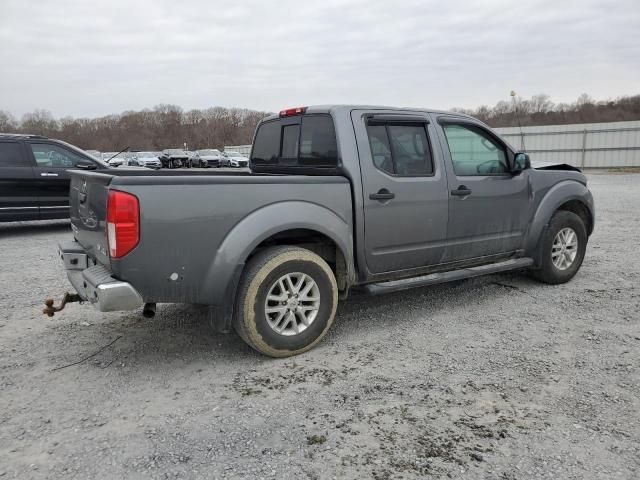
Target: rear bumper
<point>94,282</point>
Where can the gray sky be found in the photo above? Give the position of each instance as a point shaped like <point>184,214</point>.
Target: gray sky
<point>90,58</point>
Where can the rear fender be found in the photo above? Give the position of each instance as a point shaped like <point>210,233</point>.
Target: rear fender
<point>223,275</point>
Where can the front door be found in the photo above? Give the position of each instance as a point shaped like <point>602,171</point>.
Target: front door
<point>52,162</point>
<point>488,206</point>
<point>404,190</point>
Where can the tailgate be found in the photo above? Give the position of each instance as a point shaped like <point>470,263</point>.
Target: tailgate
<point>88,212</point>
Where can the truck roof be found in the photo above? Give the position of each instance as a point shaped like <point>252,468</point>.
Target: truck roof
<point>336,108</point>
<point>19,136</point>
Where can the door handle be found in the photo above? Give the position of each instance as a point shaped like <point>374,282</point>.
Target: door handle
<point>382,195</point>
<point>48,174</point>
<point>461,191</point>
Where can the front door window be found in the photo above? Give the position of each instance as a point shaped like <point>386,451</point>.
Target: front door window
<point>474,153</point>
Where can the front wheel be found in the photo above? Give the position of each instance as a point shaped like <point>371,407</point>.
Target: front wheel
<point>562,248</point>
<point>287,300</point>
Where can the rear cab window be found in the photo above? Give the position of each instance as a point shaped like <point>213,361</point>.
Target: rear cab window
<point>303,143</point>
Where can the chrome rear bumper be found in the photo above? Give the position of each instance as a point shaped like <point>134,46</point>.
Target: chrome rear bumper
<point>95,284</point>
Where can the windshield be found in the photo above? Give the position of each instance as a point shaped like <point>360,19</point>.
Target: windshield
<point>175,151</point>
<point>234,154</point>
<point>145,154</point>
<point>208,152</point>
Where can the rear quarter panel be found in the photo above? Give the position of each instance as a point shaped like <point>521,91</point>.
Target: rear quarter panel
<point>196,232</point>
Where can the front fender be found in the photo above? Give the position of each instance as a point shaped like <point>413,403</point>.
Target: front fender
<point>222,276</point>
<point>556,196</point>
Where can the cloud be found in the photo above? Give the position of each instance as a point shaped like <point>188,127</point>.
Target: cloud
<point>92,58</point>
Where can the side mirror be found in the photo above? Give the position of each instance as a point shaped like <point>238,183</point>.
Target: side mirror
<point>86,166</point>
<point>521,162</point>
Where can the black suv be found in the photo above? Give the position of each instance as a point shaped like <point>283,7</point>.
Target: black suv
<point>34,182</point>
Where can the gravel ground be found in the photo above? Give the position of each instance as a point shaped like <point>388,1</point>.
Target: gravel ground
<point>499,377</point>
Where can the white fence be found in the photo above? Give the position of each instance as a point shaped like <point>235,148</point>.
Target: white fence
<point>585,145</point>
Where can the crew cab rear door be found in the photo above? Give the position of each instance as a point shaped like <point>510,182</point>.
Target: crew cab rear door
<point>404,190</point>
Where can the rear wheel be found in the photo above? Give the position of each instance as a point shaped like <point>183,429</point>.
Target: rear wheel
<point>286,301</point>
<point>562,248</point>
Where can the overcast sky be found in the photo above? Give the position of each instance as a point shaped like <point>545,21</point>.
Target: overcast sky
<point>90,58</point>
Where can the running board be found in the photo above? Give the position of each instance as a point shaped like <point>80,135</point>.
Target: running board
<point>443,277</point>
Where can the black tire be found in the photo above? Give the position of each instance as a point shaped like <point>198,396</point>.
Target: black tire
<point>547,271</point>
<point>260,275</point>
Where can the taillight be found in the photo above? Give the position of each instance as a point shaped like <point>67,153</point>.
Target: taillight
<point>289,112</point>
<point>123,223</point>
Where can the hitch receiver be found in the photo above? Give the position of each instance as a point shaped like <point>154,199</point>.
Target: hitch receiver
<point>50,310</point>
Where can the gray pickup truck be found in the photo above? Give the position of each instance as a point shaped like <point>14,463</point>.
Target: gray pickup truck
<point>338,197</point>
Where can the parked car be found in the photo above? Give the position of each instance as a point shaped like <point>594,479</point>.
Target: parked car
<point>191,159</point>
<point>208,158</point>
<point>235,159</point>
<point>173,158</point>
<point>147,159</point>
<point>130,159</point>
<point>34,178</point>
<point>113,159</point>
<point>378,198</point>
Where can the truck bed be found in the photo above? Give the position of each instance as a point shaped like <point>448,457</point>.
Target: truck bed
<point>188,219</point>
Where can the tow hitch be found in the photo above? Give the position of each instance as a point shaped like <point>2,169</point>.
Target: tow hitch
<point>50,310</point>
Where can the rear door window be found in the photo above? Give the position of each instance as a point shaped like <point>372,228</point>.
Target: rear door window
<point>380,148</point>
<point>11,155</point>
<point>309,142</point>
<point>400,149</point>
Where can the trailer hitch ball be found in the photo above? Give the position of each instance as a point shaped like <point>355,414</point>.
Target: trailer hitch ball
<point>50,309</point>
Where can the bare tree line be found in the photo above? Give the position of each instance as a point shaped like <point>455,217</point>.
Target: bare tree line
<point>164,126</point>
<point>540,110</point>
<point>167,126</point>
